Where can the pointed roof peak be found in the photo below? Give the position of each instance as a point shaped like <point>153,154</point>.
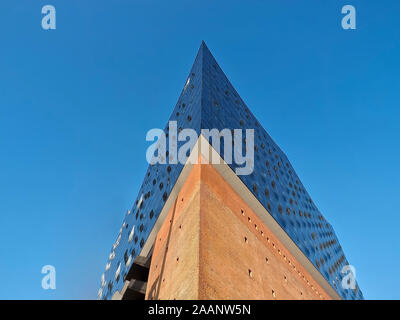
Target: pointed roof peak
<point>203,46</point>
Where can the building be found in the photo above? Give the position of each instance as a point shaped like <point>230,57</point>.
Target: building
<point>200,231</point>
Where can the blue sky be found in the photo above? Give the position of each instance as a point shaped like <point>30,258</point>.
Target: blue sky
<point>76,103</point>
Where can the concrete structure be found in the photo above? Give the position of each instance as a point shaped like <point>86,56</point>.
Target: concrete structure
<point>199,231</point>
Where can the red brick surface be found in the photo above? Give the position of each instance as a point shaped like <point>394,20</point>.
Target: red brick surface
<point>213,246</point>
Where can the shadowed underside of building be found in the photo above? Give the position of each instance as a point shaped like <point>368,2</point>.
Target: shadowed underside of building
<point>199,231</point>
